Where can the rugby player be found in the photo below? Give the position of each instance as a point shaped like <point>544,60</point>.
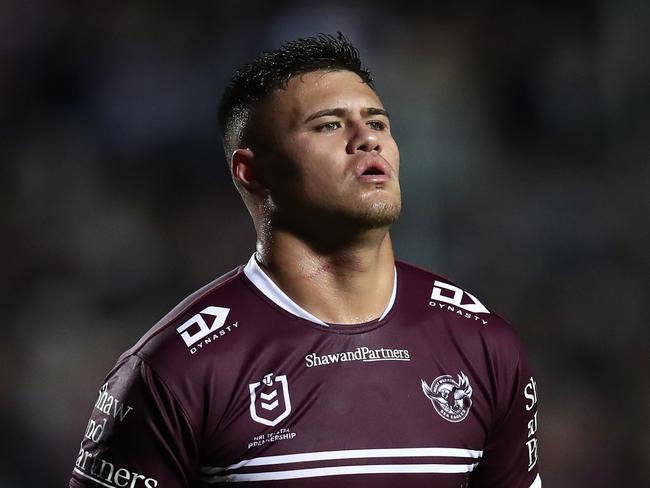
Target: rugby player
<point>322,361</point>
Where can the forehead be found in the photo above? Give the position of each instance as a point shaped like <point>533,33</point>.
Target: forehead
<point>310,92</point>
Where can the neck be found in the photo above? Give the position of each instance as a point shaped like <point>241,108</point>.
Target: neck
<point>345,284</point>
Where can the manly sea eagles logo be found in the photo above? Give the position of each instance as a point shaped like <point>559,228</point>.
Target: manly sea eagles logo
<point>451,399</point>
<point>270,403</point>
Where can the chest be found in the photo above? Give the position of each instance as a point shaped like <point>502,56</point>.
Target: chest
<point>383,401</point>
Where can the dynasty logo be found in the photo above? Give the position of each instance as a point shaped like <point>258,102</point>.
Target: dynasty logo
<point>451,298</point>
<point>197,333</point>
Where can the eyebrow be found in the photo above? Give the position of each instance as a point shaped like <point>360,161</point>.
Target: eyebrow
<point>340,112</point>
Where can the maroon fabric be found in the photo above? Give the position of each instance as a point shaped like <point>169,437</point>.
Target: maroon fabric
<point>439,371</point>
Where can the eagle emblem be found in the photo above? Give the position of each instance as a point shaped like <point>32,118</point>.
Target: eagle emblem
<point>451,399</point>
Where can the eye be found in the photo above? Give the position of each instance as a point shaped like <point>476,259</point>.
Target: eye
<point>377,125</point>
<point>328,127</point>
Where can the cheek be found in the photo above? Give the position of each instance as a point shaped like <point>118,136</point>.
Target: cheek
<point>318,158</point>
<point>304,167</point>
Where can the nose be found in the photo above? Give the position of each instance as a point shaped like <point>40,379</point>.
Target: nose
<point>363,139</point>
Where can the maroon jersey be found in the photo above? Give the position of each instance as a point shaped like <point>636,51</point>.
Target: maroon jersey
<point>240,384</point>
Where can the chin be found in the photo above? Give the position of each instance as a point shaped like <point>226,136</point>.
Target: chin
<point>380,214</point>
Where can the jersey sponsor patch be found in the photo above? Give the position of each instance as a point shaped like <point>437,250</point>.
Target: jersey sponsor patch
<point>363,354</point>
<point>451,399</point>
<point>197,332</point>
<point>530,393</point>
<point>448,293</point>
<point>448,297</point>
<point>91,466</point>
<point>93,462</point>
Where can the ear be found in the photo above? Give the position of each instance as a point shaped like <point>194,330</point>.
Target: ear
<point>245,170</point>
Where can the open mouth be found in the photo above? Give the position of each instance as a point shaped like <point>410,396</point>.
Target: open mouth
<point>373,170</point>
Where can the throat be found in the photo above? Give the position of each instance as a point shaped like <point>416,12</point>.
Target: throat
<point>338,289</point>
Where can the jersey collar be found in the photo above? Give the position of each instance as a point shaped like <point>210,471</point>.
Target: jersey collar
<point>264,284</point>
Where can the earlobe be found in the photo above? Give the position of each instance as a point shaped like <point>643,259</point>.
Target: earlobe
<point>243,166</point>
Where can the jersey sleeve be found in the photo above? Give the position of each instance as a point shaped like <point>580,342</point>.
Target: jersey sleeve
<point>511,451</point>
<point>138,435</point>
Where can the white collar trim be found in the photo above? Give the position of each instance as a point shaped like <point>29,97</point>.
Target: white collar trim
<point>263,283</point>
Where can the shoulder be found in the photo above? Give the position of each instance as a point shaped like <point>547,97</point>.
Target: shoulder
<point>463,333</point>
<point>198,318</point>
<point>463,312</point>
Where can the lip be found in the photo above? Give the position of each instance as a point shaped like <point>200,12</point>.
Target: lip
<point>380,172</point>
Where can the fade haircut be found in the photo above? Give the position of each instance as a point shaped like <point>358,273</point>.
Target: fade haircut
<point>272,70</point>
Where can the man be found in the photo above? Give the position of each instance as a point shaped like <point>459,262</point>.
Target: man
<point>323,361</point>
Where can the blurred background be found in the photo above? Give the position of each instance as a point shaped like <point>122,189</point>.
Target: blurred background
<point>524,130</point>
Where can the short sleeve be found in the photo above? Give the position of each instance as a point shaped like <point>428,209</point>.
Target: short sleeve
<point>510,456</point>
<point>138,435</point>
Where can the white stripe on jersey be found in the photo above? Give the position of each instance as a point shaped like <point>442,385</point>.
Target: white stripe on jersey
<point>217,474</point>
<point>350,454</point>
<point>340,470</point>
<point>537,483</point>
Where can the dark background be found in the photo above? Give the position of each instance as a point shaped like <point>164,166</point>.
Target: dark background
<point>524,132</point>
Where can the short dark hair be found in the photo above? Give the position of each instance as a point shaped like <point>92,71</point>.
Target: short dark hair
<point>272,70</point>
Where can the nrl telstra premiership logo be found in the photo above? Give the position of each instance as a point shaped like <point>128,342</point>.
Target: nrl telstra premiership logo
<point>451,399</point>
<point>270,402</point>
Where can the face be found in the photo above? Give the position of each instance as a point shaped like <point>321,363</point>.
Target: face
<point>328,153</point>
